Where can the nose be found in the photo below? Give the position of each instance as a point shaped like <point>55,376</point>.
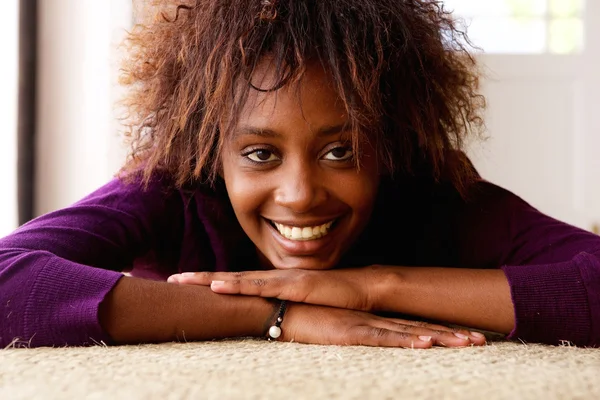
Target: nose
<point>300,189</point>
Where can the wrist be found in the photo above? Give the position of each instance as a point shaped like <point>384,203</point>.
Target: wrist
<point>387,289</point>
<point>261,315</point>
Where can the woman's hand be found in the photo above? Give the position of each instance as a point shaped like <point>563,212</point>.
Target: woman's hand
<point>355,289</point>
<point>333,326</point>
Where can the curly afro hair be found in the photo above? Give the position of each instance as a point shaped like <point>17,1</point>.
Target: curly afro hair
<point>402,68</point>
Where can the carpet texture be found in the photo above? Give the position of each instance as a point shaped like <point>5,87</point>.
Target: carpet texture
<point>253,369</point>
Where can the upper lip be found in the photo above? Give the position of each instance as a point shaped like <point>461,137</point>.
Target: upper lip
<point>302,224</point>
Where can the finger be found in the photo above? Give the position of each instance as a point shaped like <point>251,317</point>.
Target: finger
<point>192,278</point>
<point>203,277</point>
<point>475,338</point>
<point>440,338</point>
<point>251,287</point>
<point>418,323</point>
<point>297,287</point>
<point>382,337</point>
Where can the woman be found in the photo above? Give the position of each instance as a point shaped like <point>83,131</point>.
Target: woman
<point>308,156</point>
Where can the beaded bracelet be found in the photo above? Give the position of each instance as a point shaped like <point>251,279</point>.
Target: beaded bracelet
<point>275,330</point>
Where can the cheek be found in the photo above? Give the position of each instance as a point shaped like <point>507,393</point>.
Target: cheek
<point>360,191</point>
<point>363,202</point>
<point>362,188</point>
<point>245,192</point>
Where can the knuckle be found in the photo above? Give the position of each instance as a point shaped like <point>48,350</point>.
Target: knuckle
<point>302,276</point>
<point>377,332</point>
<point>238,274</point>
<point>364,335</point>
<point>259,282</point>
<point>369,335</point>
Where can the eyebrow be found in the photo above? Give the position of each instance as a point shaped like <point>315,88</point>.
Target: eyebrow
<point>326,130</point>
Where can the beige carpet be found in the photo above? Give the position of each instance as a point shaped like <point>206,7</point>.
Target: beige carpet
<point>253,369</point>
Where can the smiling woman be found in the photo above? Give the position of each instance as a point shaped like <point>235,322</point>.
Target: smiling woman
<point>302,177</point>
<point>308,156</point>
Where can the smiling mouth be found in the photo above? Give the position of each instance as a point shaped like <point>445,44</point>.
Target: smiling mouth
<point>304,233</point>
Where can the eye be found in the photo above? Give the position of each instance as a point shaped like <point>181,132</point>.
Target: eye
<point>261,156</point>
<point>339,154</point>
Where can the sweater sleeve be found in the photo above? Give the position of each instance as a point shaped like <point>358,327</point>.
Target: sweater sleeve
<point>553,268</point>
<point>56,269</point>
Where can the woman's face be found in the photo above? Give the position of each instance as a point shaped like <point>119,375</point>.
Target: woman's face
<point>291,174</point>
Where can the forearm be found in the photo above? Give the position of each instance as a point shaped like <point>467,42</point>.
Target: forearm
<point>474,298</point>
<point>138,311</point>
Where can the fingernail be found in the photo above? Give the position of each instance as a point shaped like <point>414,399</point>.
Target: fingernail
<point>217,283</point>
<point>187,274</point>
<point>461,336</point>
<point>478,335</point>
<point>425,338</point>
<point>173,279</point>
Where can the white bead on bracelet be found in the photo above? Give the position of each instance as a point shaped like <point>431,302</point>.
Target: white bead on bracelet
<point>275,330</point>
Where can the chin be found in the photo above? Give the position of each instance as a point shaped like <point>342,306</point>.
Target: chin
<point>308,263</point>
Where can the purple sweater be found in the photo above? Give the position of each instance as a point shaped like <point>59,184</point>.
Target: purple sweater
<point>56,269</point>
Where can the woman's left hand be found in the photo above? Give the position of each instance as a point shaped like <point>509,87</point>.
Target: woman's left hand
<point>355,289</point>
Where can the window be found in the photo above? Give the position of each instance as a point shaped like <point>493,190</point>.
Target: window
<point>523,26</point>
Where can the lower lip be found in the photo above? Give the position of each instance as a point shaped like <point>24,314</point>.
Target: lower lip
<point>302,247</point>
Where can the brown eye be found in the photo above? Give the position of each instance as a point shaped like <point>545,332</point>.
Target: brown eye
<point>262,156</point>
<point>339,154</point>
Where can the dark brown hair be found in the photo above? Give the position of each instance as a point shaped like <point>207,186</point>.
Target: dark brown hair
<point>401,67</point>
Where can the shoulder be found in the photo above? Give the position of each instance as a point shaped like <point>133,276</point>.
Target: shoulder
<point>123,202</point>
<point>441,197</point>
<point>160,192</point>
<point>449,229</point>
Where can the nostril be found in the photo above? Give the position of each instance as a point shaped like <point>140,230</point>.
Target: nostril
<point>300,198</point>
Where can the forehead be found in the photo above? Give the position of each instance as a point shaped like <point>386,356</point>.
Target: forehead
<point>312,98</point>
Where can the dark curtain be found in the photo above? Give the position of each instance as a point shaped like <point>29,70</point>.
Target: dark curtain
<point>26,124</point>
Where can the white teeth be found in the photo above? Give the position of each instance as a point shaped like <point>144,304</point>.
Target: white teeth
<point>296,233</point>
<point>304,233</point>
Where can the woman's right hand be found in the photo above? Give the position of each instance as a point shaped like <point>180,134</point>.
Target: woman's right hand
<point>312,324</point>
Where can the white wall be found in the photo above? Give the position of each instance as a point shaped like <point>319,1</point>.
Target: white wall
<point>590,67</point>
<point>533,122</point>
<point>78,143</point>
<point>8,115</point>
<point>544,130</point>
